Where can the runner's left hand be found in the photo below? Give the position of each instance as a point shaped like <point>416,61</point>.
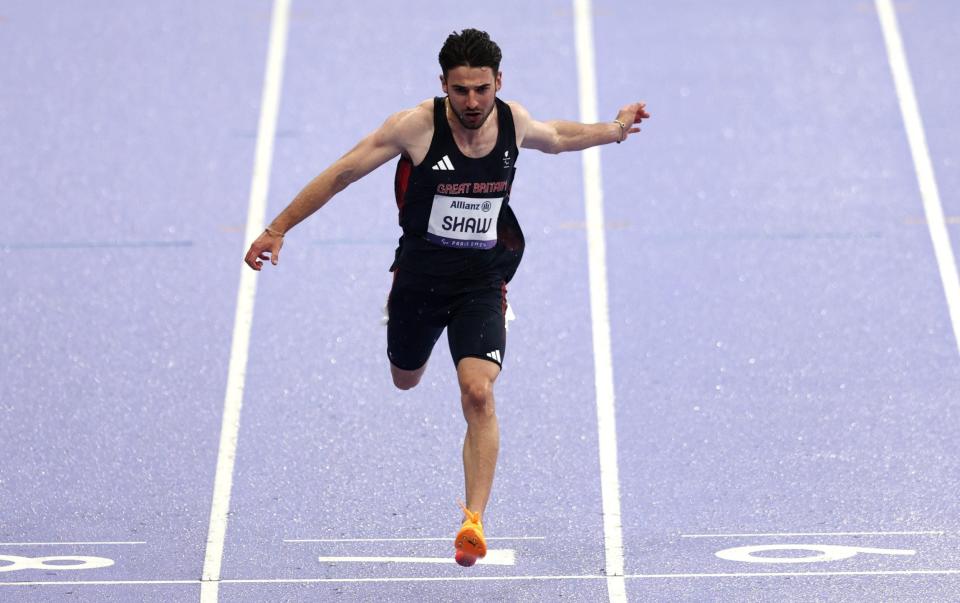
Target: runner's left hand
<point>631,115</point>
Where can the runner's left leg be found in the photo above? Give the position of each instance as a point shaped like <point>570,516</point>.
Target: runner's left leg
<point>481,444</point>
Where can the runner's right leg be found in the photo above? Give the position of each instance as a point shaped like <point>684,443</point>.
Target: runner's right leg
<point>406,379</point>
<point>416,316</point>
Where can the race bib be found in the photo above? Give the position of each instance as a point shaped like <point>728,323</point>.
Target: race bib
<point>464,222</point>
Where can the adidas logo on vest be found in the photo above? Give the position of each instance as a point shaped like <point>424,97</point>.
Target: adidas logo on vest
<point>444,164</point>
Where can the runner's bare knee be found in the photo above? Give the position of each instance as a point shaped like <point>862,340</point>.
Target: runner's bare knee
<point>406,379</point>
<point>477,398</point>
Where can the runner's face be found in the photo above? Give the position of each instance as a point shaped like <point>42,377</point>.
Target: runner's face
<point>472,92</point>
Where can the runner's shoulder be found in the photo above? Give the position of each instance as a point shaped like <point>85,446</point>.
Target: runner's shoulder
<point>410,124</point>
<point>518,110</point>
<point>521,119</point>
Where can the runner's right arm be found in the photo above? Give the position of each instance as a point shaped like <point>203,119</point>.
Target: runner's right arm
<point>385,143</point>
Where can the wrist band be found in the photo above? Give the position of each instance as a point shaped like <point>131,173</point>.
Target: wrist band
<point>272,232</point>
<point>623,128</point>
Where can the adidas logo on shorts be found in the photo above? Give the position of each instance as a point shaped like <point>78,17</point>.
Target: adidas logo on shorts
<point>495,356</point>
<point>444,164</point>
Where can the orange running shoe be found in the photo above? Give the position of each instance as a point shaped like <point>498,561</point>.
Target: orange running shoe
<point>464,559</point>
<point>470,543</point>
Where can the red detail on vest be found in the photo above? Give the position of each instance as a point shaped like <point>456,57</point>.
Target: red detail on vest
<point>402,180</point>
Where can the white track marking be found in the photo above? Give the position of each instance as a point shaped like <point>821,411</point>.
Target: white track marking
<point>880,573</point>
<point>599,312</point>
<point>777,534</point>
<point>101,583</point>
<point>494,557</point>
<point>823,553</point>
<point>921,162</point>
<point>236,376</point>
<point>437,539</point>
<point>110,542</point>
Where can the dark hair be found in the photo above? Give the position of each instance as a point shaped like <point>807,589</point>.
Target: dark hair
<point>469,48</point>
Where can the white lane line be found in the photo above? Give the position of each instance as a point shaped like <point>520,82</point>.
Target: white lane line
<point>437,539</point>
<point>494,557</point>
<point>599,311</point>
<point>776,534</point>
<point>233,400</point>
<point>921,162</point>
<point>678,576</point>
<point>110,542</point>
<point>100,582</point>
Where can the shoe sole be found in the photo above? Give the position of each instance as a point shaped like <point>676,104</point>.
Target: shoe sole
<point>464,559</point>
<point>471,542</point>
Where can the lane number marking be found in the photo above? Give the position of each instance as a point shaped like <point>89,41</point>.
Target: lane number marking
<point>16,563</point>
<point>822,552</point>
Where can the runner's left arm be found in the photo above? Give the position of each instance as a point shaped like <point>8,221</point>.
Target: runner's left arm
<point>559,136</point>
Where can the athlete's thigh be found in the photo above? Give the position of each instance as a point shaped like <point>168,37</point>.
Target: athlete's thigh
<point>477,327</point>
<point>415,320</point>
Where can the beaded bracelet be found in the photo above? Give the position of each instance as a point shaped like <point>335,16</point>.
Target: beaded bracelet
<point>623,128</point>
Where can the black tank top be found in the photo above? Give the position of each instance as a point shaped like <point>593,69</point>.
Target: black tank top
<point>454,210</point>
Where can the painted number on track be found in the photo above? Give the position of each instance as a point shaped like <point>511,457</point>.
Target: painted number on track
<point>817,553</point>
<point>13,563</point>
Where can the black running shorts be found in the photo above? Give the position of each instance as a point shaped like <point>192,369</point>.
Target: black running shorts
<point>419,312</point>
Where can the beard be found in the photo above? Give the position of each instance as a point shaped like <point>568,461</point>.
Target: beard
<point>472,120</point>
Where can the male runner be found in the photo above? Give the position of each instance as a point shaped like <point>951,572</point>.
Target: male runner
<point>461,242</point>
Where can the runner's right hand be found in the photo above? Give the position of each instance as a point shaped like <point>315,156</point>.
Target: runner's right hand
<point>265,247</point>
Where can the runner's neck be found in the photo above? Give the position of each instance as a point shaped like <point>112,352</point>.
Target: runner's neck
<point>473,143</point>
